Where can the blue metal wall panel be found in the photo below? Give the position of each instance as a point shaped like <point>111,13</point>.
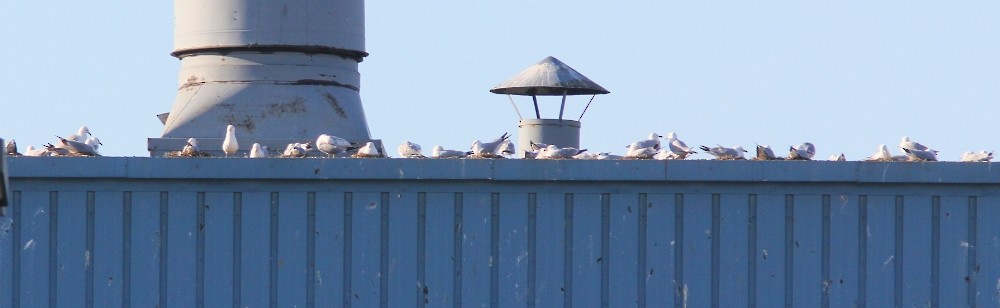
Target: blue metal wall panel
<point>697,245</point>
<point>586,258</point>
<point>844,254</point>
<point>770,254</point>
<point>807,251</point>
<point>404,236</point>
<point>555,237</point>
<point>145,240</point>
<point>550,244</point>
<point>954,250</point>
<point>329,274</point>
<point>108,249</point>
<point>734,242</point>
<point>987,252</point>
<point>35,248</point>
<point>513,282</point>
<point>476,258</point>
<point>661,287</point>
<point>881,252</point>
<point>219,249</point>
<point>292,241</point>
<point>255,249</point>
<point>917,258</point>
<point>366,253</point>
<point>440,253</point>
<point>622,284</point>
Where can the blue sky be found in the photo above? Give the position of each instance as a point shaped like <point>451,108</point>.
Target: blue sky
<point>845,75</point>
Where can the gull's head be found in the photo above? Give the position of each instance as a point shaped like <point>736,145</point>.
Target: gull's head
<point>84,131</point>
<point>905,139</point>
<point>193,142</point>
<point>256,146</point>
<point>884,149</point>
<point>671,136</point>
<point>654,136</point>
<point>93,141</point>
<point>231,129</point>
<point>739,148</point>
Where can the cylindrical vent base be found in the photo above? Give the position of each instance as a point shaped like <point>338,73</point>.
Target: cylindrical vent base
<point>561,133</point>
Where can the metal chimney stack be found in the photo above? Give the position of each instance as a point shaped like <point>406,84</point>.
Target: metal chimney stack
<point>281,71</point>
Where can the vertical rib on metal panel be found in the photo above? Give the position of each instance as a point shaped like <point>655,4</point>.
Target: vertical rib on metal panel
<point>862,251</point>
<point>272,272</point>
<point>495,250</point>
<point>716,222</point>
<point>348,227</point>
<point>827,282</point>
<point>91,257</point>
<point>752,252</point>
<point>988,250</point>
<point>973,268</point>
<point>898,261</point>
<point>127,249</point>
<point>422,290</point>
<point>199,300</point>
<point>641,248</point>
<point>605,246</point>
<point>568,252</point>
<point>310,249</point>
<point>15,250</point>
<point>53,246</point>
<point>680,288</point>
<point>457,291</point>
<point>384,253</point>
<point>164,252</point>
<point>237,249</point>
<point>935,251</point>
<point>789,252</point>
<point>532,255</point>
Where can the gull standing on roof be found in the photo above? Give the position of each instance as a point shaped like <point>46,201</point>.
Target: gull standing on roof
<point>409,150</point>
<point>652,142</point>
<point>332,145</point>
<point>840,157</point>
<point>191,148</point>
<point>440,152</point>
<point>680,149</point>
<point>724,153</point>
<point>257,152</point>
<point>230,145</point>
<point>970,156</point>
<point>804,151</point>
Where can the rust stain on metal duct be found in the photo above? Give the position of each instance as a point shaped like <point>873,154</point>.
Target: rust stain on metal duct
<point>244,121</point>
<point>336,106</point>
<point>191,82</point>
<point>297,105</point>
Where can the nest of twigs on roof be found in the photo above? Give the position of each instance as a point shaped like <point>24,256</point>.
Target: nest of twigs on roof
<point>486,156</point>
<point>182,154</point>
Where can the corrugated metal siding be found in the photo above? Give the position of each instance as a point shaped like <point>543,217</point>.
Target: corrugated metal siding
<point>359,240</point>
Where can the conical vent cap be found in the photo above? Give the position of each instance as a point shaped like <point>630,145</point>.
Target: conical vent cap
<point>549,77</point>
